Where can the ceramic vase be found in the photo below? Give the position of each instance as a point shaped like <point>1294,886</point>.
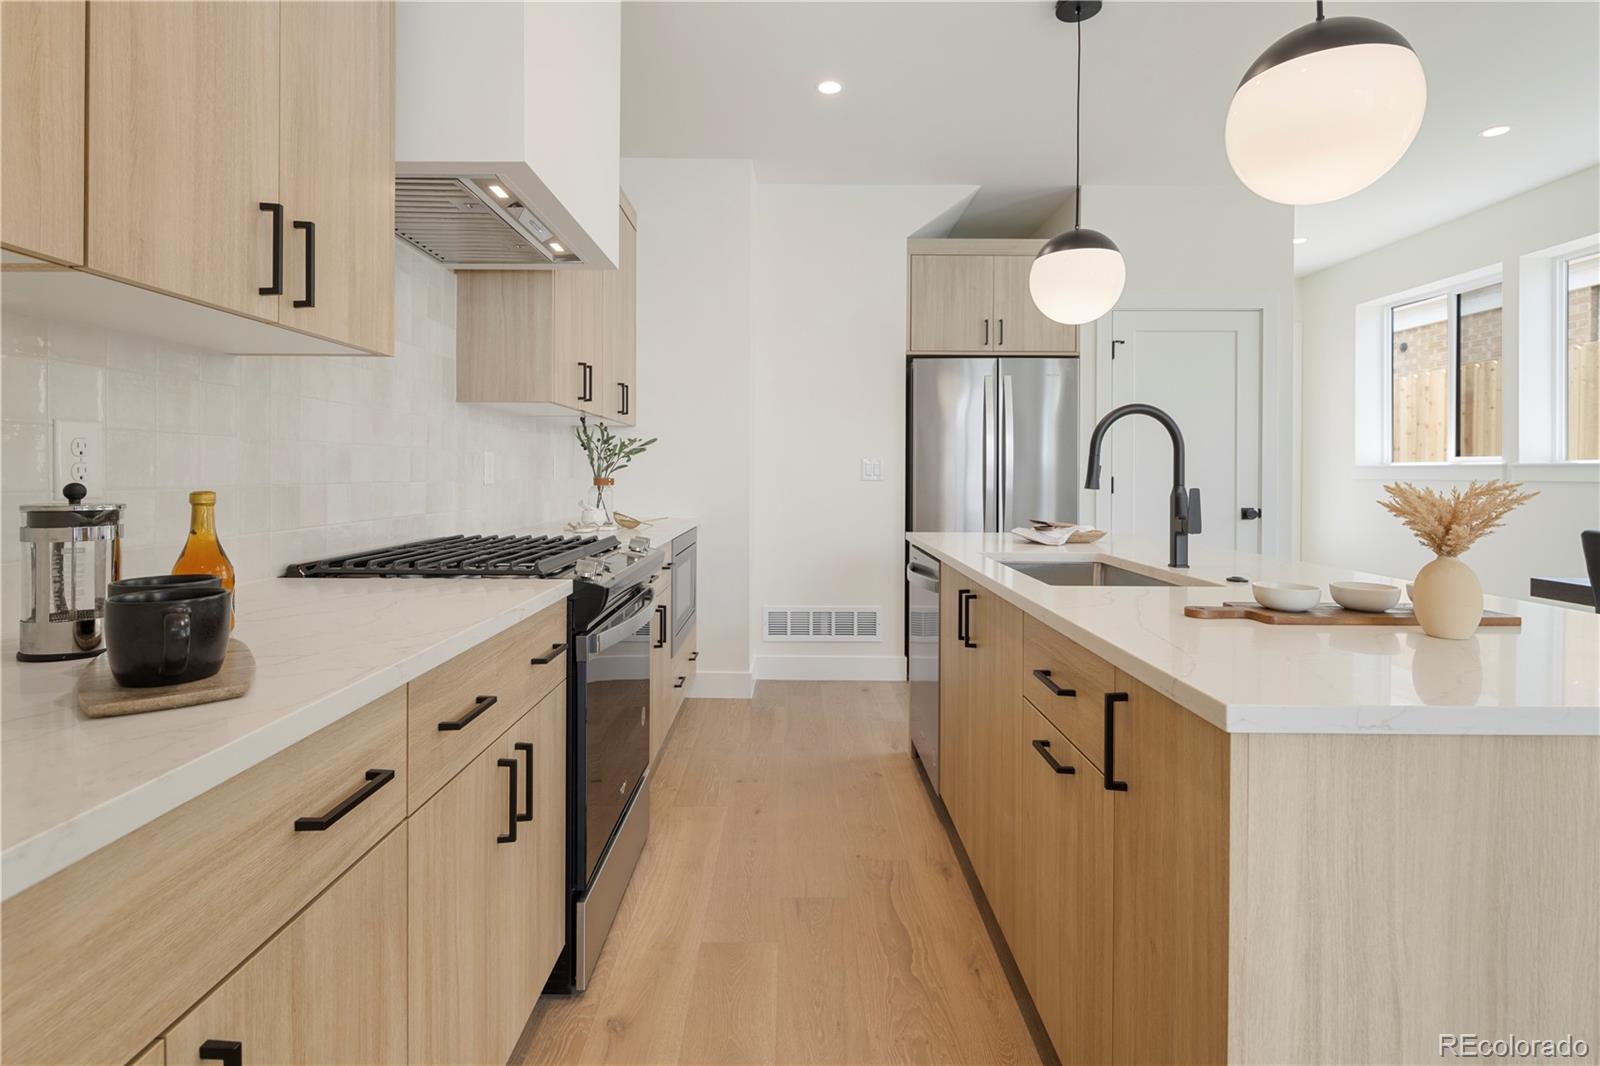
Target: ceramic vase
<point>1448,599</point>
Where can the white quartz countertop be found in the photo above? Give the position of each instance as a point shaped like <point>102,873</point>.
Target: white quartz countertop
<point>323,649</point>
<point>1247,677</point>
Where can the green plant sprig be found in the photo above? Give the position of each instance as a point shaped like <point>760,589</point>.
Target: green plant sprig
<point>607,452</point>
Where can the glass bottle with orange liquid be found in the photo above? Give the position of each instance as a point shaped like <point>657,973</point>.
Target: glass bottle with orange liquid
<point>202,552</point>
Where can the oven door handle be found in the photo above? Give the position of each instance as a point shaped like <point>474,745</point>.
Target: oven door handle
<point>624,625</point>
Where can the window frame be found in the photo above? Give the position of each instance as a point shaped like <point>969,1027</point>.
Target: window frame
<point>1561,263</point>
<point>1451,290</point>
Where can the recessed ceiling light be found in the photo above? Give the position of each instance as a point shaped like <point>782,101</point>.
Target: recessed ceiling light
<point>555,246</point>
<point>499,192</point>
<point>1300,240</point>
<point>1495,131</point>
<point>828,88</point>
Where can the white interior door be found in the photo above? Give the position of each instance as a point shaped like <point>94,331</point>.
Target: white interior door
<point>1204,369</point>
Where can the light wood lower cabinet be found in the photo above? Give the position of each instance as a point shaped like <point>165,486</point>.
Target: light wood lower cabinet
<point>486,914</point>
<point>663,708</point>
<point>329,988</point>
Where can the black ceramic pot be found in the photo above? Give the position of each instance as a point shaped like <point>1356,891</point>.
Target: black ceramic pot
<point>164,581</point>
<point>166,636</point>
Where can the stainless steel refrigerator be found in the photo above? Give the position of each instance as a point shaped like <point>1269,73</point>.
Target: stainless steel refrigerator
<point>993,443</point>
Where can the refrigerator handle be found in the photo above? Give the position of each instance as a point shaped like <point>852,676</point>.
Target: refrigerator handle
<point>1008,451</point>
<point>991,517</point>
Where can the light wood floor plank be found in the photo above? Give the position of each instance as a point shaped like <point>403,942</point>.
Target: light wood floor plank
<point>799,901</point>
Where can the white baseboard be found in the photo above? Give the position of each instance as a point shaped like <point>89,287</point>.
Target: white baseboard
<point>830,668</point>
<point>722,685</point>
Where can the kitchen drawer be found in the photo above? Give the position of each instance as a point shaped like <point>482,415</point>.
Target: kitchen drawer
<point>681,678</point>
<point>516,668</point>
<point>99,958</point>
<point>1081,716</point>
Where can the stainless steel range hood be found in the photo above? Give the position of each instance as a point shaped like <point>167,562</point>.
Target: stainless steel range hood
<point>474,222</point>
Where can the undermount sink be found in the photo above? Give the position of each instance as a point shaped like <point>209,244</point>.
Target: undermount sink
<point>1087,573</point>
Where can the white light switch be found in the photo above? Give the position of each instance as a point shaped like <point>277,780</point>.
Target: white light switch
<point>79,455</point>
<point>872,470</point>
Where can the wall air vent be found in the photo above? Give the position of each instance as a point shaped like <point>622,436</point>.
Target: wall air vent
<point>823,623</point>
<point>471,222</point>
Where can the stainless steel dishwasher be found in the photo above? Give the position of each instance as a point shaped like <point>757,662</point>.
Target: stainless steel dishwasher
<point>922,659</point>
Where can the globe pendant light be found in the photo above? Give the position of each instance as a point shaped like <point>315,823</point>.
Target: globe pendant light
<point>1326,111</point>
<point>1078,275</point>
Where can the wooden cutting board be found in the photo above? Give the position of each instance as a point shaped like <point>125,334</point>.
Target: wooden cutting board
<point>1328,614</point>
<point>99,695</point>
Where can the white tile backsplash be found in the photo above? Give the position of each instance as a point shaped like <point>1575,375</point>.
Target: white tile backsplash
<point>308,455</point>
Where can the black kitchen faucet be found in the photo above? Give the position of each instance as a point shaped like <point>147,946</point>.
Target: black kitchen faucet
<point>1185,502</point>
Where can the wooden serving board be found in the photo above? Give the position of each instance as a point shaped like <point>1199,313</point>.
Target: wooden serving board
<point>1328,614</point>
<point>99,695</point>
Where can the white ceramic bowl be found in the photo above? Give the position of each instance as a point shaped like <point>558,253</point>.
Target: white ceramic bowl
<point>1286,596</point>
<point>1368,596</point>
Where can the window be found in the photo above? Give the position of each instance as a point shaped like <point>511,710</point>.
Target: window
<point>1578,303</point>
<point>1444,376</point>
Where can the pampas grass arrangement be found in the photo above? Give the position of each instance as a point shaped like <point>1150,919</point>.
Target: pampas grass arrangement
<point>1448,524</point>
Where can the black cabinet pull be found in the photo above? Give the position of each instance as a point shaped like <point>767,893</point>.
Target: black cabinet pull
<point>583,380</point>
<point>1043,748</point>
<point>510,835</point>
<point>227,1052</point>
<point>483,704</point>
<point>694,655</point>
<point>966,621</point>
<point>376,779</point>
<point>550,656</point>
<point>1049,683</point>
<point>1112,784</point>
<point>311,262</point>
<point>622,397</point>
<point>527,780</point>
<point>1002,341</point>
<point>986,333</point>
<point>679,682</point>
<point>276,288</point>
<point>661,613</point>
<point>961,615</point>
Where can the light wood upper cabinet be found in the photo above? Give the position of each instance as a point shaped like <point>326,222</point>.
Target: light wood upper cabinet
<point>952,303</point>
<point>329,988</point>
<point>183,147</point>
<point>972,296</point>
<point>336,169</point>
<point>1020,327</point>
<point>41,127</point>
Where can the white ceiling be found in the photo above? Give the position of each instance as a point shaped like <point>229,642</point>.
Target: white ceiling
<point>980,93</point>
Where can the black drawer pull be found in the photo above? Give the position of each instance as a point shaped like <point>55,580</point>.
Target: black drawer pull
<point>661,612</point>
<point>311,262</point>
<point>227,1052</point>
<point>1043,748</point>
<point>527,780</point>
<point>693,656</point>
<point>966,620</point>
<point>1049,683</point>
<point>1112,784</point>
<point>276,288</point>
<point>510,835</point>
<point>961,615</point>
<point>376,779</point>
<point>483,704</point>
<point>679,682</point>
<point>550,656</point>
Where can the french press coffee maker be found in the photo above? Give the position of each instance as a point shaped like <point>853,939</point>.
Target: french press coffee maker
<point>71,552</point>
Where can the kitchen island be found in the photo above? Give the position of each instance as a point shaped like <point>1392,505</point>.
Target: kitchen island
<point>1213,840</point>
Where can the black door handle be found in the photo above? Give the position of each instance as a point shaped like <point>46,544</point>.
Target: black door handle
<point>550,656</point>
<point>483,704</point>
<point>510,835</point>
<point>1249,514</point>
<point>966,627</point>
<point>661,612</point>
<point>311,262</point>
<point>1049,683</point>
<point>276,288</point>
<point>1043,748</point>
<point>1112,784</point>
<point>527,780</point>
<point>227,1052</point>
<point>376,779</point>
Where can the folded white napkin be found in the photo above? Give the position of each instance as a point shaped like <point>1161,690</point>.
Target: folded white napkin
<point>1052,537</point>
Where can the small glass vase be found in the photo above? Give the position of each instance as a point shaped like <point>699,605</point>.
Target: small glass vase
<point>602,501</point>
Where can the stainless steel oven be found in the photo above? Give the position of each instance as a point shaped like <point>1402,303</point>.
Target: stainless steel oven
<point>683,588</point>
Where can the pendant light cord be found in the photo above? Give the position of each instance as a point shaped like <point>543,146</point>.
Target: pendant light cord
<point>1319,11</point>
<point>1077,131</point>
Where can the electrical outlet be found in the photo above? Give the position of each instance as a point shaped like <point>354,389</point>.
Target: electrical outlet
<point>79,455</point>
<point>872,470</point>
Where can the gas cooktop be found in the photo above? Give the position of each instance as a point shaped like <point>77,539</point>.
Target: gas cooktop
<point>475,556</point>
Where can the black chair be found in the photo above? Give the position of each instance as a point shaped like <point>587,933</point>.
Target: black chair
<point>1591,559</point>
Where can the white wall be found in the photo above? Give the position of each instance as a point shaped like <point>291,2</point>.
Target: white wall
<point>1341,522</point>
<point>694,270</point>
<point>827,390</point>
<point>309,455</point>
